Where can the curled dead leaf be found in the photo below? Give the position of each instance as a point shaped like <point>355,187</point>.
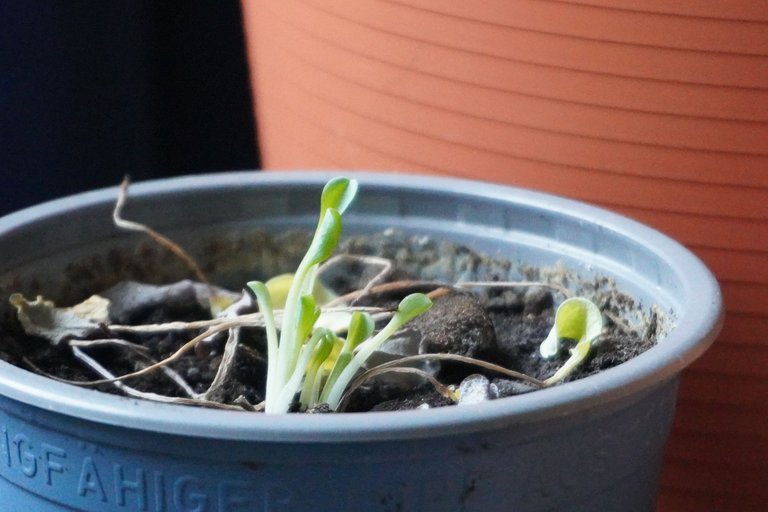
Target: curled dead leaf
<point>42,318</point>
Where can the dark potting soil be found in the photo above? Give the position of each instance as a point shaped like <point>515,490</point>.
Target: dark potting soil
<point>503,325</point>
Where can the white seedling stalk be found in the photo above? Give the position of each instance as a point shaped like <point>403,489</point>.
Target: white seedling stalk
<point>264,302</point>
<point>288,355</point>
<point>292,386</point>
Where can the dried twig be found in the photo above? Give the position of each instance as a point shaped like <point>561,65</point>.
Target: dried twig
<point>409,286</point>
<point>245,404</point>
<point>514,284</point>
<point>157,237</point>
<point>95,366</point>
<point>247,320</point>
<point>173,357</point>
<point>462,359</point>
<point>386,264</point>
<point>108,342</point>
<point>441,388</point>
<point>139,350</point>
<point>32,366</point>
<point>404,286</point>
<point>225,366</point>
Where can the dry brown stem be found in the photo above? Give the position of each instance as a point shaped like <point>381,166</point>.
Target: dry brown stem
<point>95,366</point>
<point>157,237</point>
<point>441,388</point>
<point>438,288</point>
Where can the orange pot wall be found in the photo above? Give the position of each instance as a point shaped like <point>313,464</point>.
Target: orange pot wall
<point>659,112</point>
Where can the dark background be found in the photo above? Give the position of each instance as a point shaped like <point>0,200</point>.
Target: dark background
<point>93,90</point>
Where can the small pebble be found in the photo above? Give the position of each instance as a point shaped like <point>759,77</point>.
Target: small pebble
<point>474,389</point>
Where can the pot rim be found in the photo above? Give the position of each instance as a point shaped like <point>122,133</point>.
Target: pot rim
<point>696,328</point>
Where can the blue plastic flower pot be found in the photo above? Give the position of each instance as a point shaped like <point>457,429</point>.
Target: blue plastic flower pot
<point>591,445</point>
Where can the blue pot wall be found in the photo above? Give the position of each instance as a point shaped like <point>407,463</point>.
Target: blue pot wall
<point>590,445</point>
<point>604,460</point>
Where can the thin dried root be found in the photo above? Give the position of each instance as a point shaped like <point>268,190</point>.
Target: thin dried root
<point>514,284</point>
<point>95,366</point>
<point>406,286</point>
<point>157,237</point>
<point>179,380</point>
<point>386,264</point>
<point>173,357</point>
<point>396,365</point>
<point>226,364</point>
<point>32,366</point>
<point>462,359</point>
<point>439,292</point>
<point>246,405</point>
<point>140,351</point>
<point>220,326</point>
<point>247,320</point>
<point>441,388</point>
<point>438,288</point>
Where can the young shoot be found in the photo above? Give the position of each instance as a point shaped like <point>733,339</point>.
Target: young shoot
<point>303,356</point>
<point>576,319</point>
<point>361,327</point>
<point>410,307</point>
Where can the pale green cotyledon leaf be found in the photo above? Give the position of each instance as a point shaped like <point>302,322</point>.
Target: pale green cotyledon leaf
<point>576,319</point>
<point>279,285</point>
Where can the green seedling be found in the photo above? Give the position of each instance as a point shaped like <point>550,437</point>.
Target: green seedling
<point>576,319</point>
<point>361,328</point>
<point>410,307</point>
<point>305,358</point>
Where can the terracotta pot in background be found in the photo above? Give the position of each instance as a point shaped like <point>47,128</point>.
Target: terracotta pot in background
<point>659,112</point>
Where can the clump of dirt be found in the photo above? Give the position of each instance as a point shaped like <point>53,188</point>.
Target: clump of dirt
<point>457,323</point>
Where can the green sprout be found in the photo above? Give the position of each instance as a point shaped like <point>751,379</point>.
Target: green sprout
<point>410,307</point>
<point>361,326</point>
<point>305,358</point>
<point>576,319</point>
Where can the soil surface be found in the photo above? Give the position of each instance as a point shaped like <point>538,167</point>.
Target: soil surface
<point>503,325</point>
